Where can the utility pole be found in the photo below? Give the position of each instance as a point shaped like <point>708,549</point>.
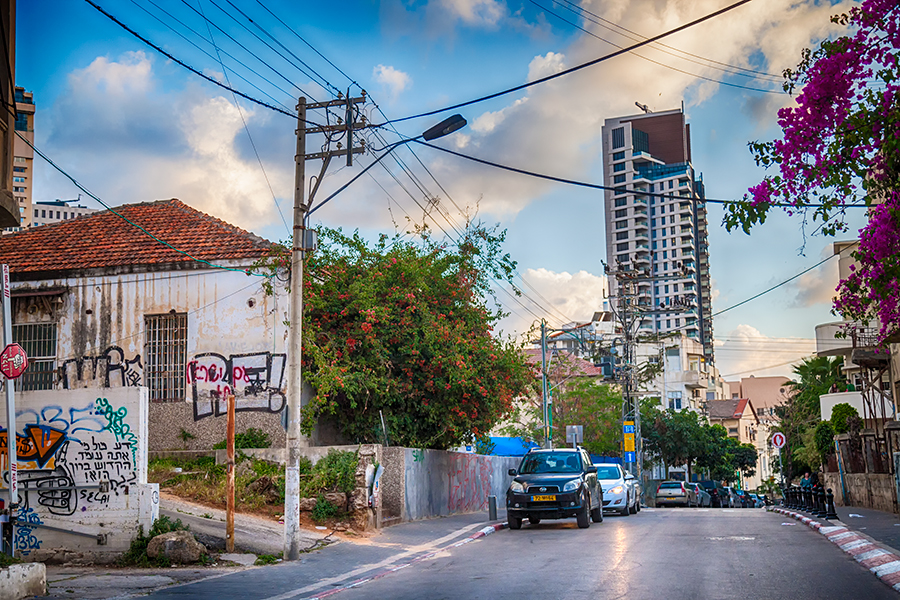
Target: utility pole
<point>304,241</point>
<point>545,392</point>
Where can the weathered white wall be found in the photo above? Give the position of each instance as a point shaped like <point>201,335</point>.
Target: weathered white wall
<point>235,333</point>
<point>81,438</point>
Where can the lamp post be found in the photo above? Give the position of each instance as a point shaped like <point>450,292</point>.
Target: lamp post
<point>301,243</point>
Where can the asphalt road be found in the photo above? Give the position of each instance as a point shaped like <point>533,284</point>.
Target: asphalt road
<point>662,553</point>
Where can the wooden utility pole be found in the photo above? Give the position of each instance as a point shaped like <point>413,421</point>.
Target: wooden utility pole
<point>229,482</point>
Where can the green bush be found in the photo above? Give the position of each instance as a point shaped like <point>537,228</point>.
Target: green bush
<point>324,510</point>
<point>824,439</point>
<point>335,472</point>
<point>839,415</point>
<point>252,438</point>
<point>137,552</point>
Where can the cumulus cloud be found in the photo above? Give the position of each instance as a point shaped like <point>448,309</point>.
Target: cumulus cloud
<point>817,286</point>
<point>116,128</point>
<point>561,297</point>
<point>475,12</point>
<point>393,80</point>
<point>745,351</point>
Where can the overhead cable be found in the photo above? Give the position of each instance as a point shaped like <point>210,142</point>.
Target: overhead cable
<point>570,70</point>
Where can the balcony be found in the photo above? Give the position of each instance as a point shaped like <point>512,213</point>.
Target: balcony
<point>695,379</point>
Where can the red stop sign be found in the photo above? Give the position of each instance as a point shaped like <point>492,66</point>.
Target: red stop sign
<point>13,361</point>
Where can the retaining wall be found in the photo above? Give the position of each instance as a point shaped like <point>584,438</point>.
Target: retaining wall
<point>82,470</point>
<point>869,490</point>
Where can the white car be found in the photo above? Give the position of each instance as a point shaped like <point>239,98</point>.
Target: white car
<point>617,493</point>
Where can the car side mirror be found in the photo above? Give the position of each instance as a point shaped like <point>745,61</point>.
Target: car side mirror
<point>629,476</point>
<point>591,469</point>
<point>512,472</point>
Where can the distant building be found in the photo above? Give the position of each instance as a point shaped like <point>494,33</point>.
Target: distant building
<point>45,213</point>
<point>738,417</point>
<point>23,161</point>
<point>662,238</point>
<point>9,211</point>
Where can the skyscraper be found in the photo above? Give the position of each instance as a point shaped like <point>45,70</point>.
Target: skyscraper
<point>23,163</point>
<point>656,222</point>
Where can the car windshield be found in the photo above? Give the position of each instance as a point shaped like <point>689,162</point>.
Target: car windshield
<point>551,462</point>
<point>607,473</point>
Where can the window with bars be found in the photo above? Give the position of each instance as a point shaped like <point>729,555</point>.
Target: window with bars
<point>165,356</point>
<point>39,342</point>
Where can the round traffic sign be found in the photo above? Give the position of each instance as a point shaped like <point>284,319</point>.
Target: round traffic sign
<point>778,439</point>
<point>13,361</point>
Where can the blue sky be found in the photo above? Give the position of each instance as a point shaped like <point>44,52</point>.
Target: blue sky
<point>132,126</point>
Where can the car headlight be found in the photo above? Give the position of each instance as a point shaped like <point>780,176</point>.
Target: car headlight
<point>617,490</point>
<point>571,486</point>
<point>517,487</point>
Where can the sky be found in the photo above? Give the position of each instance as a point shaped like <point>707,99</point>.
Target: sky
<point>132,125</point>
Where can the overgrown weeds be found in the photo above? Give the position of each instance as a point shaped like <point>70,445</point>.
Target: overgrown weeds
<point>136,556</point>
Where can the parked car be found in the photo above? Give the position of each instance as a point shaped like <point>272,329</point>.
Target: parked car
<point>675,493</point>
<point>716,493</point>
<point>617,493</point>
<point>637,492</point>
<point>758,501</point>
<point>703,498</point>
<point>554,484</point>
<point>732,500</point>
<point>745,500</point>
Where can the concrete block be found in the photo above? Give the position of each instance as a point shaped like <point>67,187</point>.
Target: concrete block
<point>22,581</point>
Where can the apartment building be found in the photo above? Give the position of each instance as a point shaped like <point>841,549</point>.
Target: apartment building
<point>55,211</point>
<point>656,223</point>
<point>23,157</point>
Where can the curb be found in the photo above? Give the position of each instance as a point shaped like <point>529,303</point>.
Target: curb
<point>884,564</point>
<point>477,535</point>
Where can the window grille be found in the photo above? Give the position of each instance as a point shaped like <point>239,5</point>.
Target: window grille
<point>39,342</point>
<point>165,352</point>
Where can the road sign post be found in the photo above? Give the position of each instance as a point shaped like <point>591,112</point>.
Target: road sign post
<point>629,455</point>
<point>778,441</point>
<point>574,434</point>
<point>15,361</point>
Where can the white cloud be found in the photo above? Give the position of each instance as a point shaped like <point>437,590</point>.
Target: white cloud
<point>549,64</point>
<point>475,12</point>
<point>393,80</point>
<point>745,351</point>
<point>817,286</point>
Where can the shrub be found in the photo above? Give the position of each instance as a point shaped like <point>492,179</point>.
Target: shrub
<point>324,510</point>
<point>252,438</point>
<point>335,472</point>
<point>839,415</point>
<point>137,552</point>
<point>824,439</point>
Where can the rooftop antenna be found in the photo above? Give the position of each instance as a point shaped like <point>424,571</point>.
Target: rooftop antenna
<point>643,107</point>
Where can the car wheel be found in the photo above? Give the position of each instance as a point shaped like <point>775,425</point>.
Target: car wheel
<point>637,505</point>
<point>625,511</point>
<point>534,520</point>
<point>584,515</point>
<point>515,523</point>
<point>635,508</point>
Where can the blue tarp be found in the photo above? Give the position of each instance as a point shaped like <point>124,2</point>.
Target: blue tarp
<point>511,446</point>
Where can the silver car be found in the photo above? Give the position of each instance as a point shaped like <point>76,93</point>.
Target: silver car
<point>703,497</point>
<point>636,490</point>
<point>675,493</point>
<point>616,491</point>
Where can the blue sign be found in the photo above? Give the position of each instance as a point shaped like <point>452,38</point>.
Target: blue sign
<point>628,428</point>
<point>629,457</point>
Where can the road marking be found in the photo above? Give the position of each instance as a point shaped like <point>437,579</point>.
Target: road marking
<point>851,545</point>
<point>870,554</point>
<point>886,568</point>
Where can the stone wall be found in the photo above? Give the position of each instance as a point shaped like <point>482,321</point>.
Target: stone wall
<point>866,490</point>
<point>172,426</point>
<point>81,469</point>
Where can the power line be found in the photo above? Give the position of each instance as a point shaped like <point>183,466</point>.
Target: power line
<point>656,62</point>
<point>192,69</point>
<point>575,68</point>
<point>597,186</point>
<point>126,219</point>
<point>754,370</point>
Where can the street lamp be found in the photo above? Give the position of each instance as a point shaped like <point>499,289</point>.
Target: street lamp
<point>302,210</point>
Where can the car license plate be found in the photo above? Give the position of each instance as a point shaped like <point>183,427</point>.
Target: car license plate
<point>543,498</point>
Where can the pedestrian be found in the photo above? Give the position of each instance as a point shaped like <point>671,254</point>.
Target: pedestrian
<point>806,480</point>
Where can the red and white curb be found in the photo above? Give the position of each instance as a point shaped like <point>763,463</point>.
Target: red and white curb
<point>883,563</point>
<point>478,534</point>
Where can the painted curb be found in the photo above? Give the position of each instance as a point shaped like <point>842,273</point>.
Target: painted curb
<point>477,535</point>
<point>883,563</point>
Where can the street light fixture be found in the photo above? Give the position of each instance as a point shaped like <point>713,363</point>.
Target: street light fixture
<point>302,210</point>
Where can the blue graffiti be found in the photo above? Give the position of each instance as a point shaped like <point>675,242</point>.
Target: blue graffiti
<point>26,541</point>
<point>78,420</point>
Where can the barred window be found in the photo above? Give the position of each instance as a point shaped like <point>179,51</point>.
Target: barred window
<point>165,352</point>
<point>39,342</point>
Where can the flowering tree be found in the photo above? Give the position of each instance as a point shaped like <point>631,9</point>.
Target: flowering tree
<point>841,147</point>
<point>400,330</point>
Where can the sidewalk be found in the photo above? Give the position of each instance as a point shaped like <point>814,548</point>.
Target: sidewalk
<point>881,526</point>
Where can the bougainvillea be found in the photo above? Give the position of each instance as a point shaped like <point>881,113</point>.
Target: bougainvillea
<point>841,147</point>
<point>400,329</point>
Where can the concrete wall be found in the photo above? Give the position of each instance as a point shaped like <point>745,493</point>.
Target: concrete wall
<point>95,442</point>
<point>438,483</point>
<point>866,490</point>
<point>172,422</point>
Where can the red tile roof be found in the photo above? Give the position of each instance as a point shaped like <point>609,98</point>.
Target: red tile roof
<point>732,408</point>
<point>103,240</point>
<point>570,365</point>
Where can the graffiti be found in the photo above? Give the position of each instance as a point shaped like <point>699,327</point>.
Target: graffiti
<point>73,421</point>
<point>418,455</point>
<point>110,367</point>
<point>26,541</point>
<point>39,444</point>
<point>51,487</point>
<point>470,484</point>
<point>255,380</point>
<point>115,422</point>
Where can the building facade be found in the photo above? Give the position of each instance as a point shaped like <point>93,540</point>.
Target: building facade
<point>656,224</point>
<point>45,213</point>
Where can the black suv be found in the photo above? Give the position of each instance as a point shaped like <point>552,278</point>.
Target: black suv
<point>554,484</point>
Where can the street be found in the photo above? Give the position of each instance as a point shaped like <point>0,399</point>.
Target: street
<point>669,553</point>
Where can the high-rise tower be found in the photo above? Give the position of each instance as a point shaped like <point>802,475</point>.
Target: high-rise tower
<point>656,222</point>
